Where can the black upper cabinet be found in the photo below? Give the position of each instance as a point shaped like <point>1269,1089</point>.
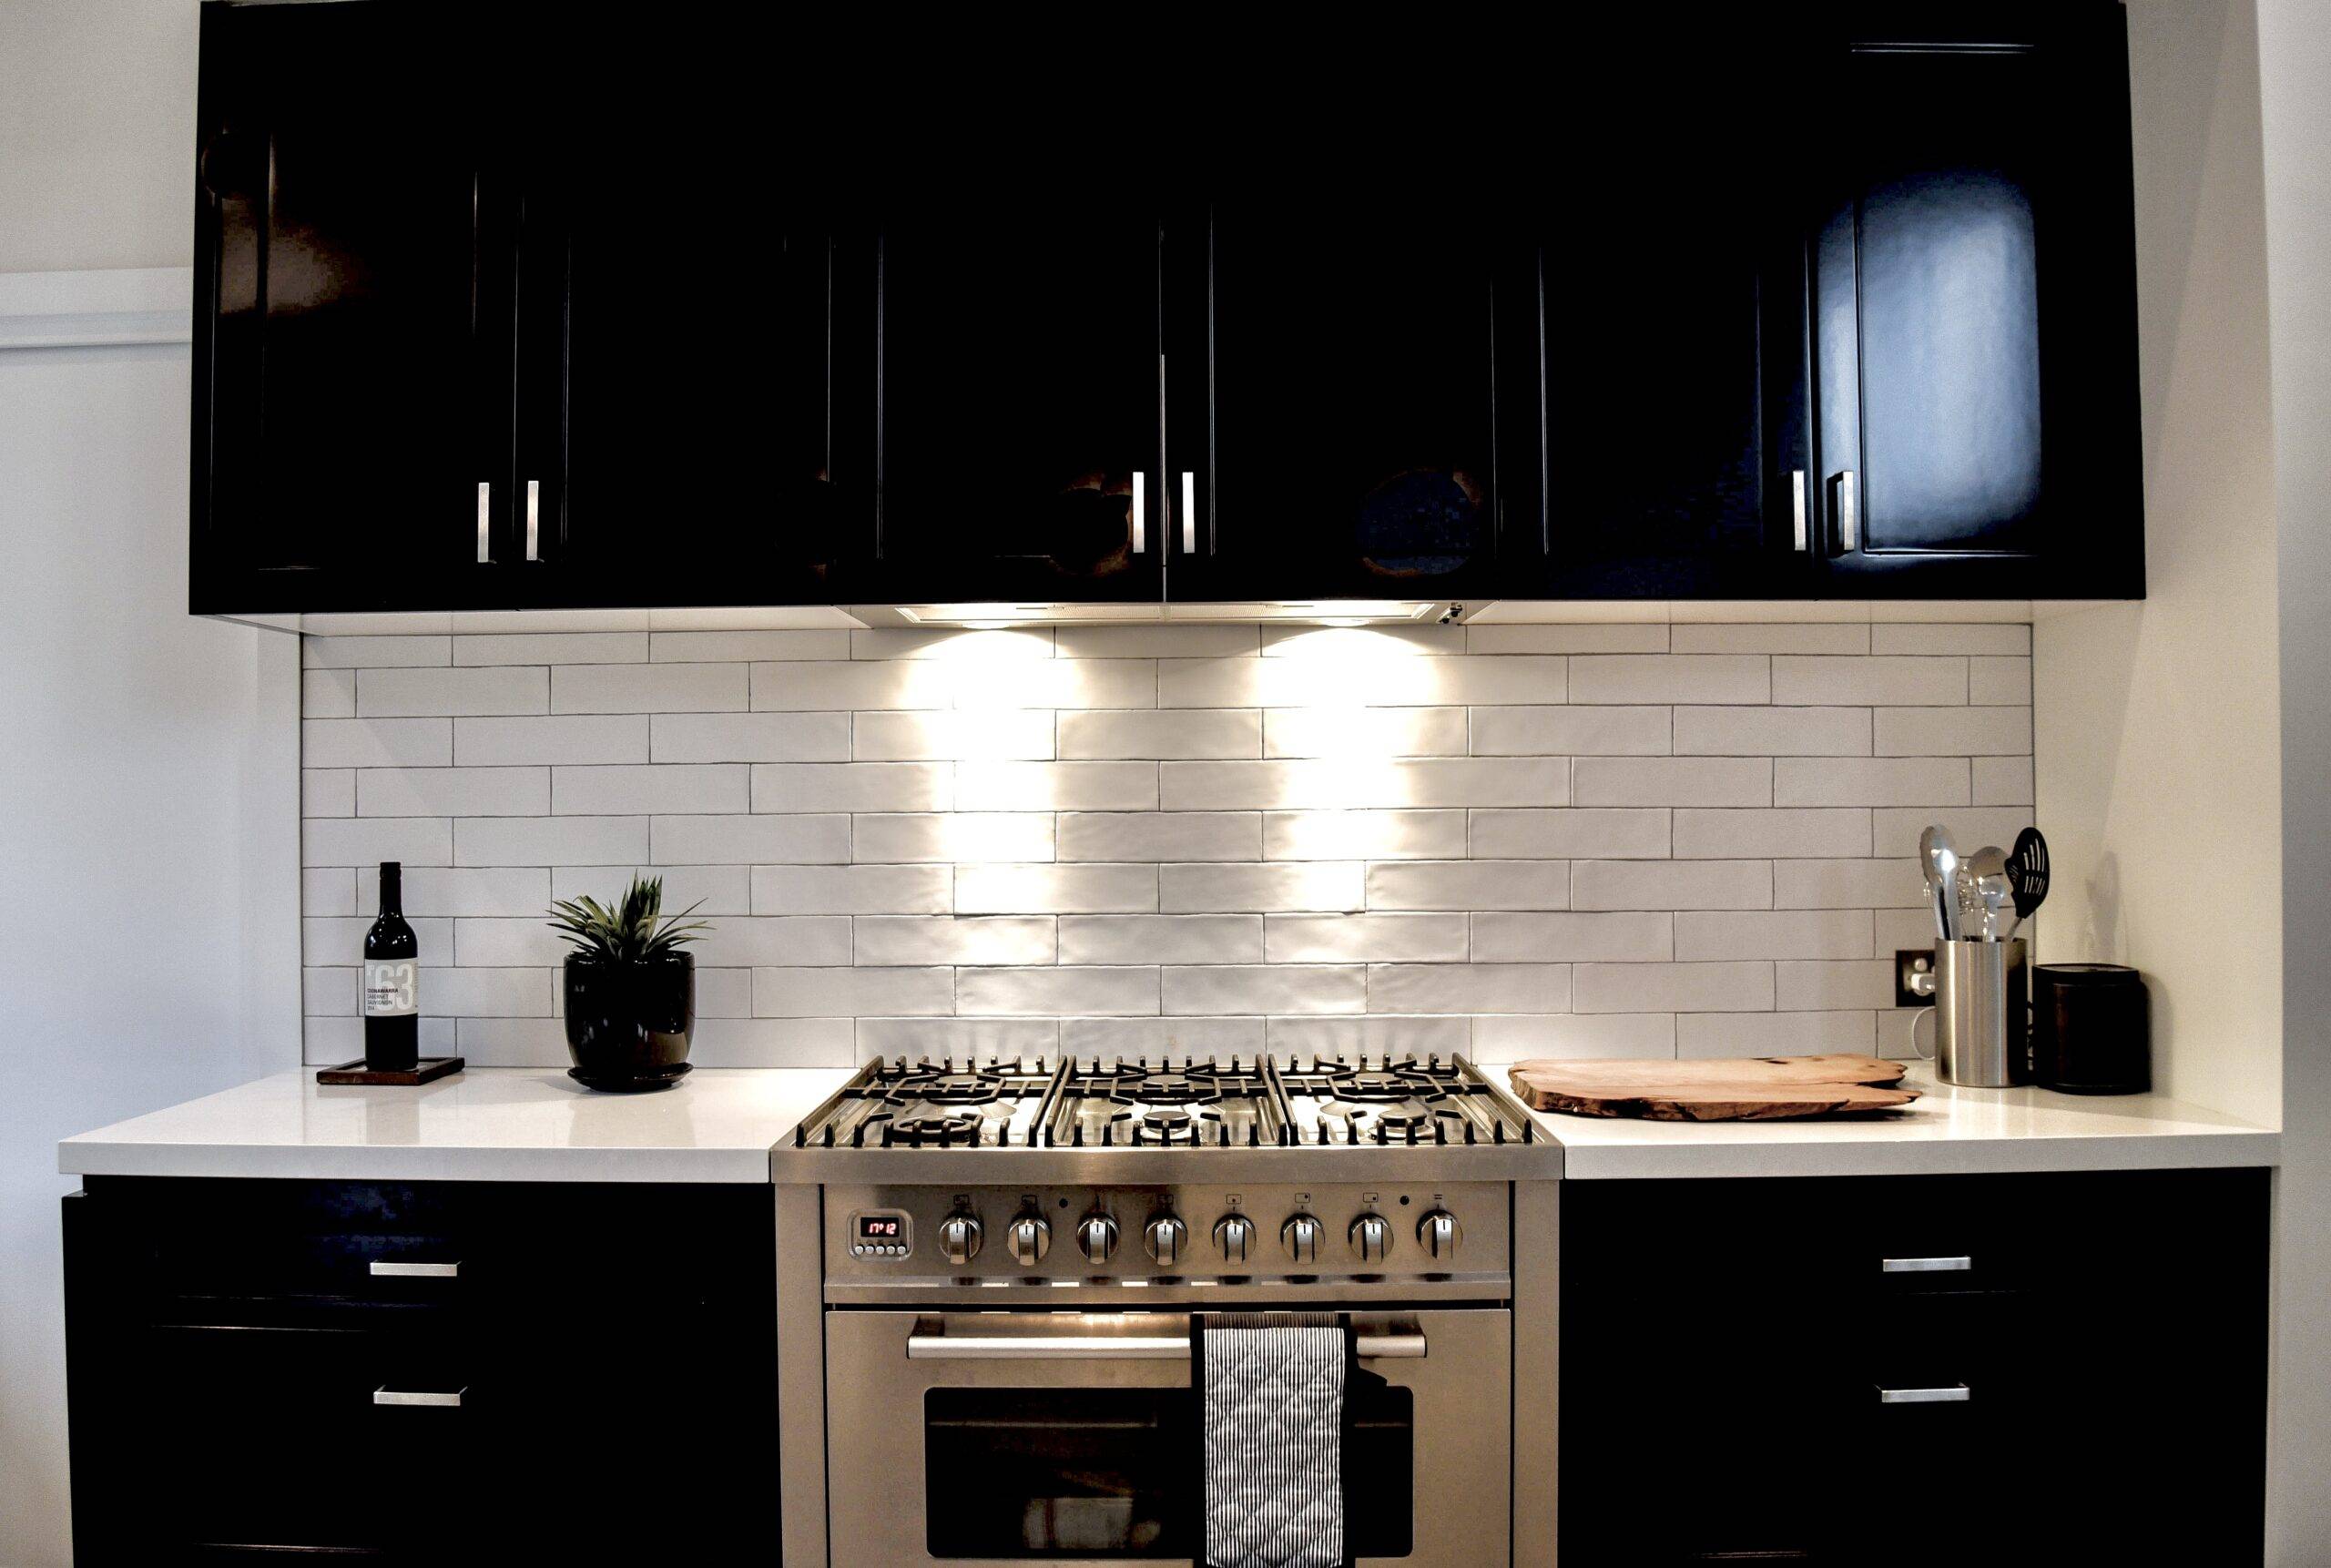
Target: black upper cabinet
<point>997,393</point>
<point>1671,226</point>
<point>1337,384</point>
<point>674,429</point>
<point>354,265</point>
<point>1974,305</point>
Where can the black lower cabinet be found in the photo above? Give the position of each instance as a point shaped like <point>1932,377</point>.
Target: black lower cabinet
<point>2062,1368</point>
<point>265,1367</point>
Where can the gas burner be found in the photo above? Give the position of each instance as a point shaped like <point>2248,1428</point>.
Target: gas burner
<point>945,1088</point>
<point>1401,1082</point>
<point>1167,1126</point>
<point>938,1129</point>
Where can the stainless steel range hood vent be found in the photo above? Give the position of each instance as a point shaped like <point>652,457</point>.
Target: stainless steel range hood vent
<point>1310,612</point>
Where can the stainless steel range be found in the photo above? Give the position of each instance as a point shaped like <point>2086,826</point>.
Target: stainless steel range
<point>1010,1262</point>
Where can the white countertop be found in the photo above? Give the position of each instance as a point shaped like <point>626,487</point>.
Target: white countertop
<point>511,1124</point>
<point>1946,1131</point>
<point>487,1124</point>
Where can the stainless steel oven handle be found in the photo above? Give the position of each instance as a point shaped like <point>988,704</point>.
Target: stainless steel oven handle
<point>923,1347</point>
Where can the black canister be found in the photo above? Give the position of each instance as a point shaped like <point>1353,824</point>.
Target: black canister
<point>2091,1029</point>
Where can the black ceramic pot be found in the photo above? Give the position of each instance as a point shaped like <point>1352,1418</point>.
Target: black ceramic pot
<point>628,1024</point>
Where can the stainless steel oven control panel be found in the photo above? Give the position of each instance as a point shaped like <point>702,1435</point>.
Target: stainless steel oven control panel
<point>1243,1234</point>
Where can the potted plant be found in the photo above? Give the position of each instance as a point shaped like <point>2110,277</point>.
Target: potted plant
<point>630,991</point>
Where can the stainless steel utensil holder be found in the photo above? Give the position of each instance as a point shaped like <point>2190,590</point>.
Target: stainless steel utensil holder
<point>1982,1012</point>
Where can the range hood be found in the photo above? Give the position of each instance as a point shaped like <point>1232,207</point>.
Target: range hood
<point>1311,612</point>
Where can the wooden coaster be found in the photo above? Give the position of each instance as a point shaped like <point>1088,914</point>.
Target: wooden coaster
<point>421,1072</point>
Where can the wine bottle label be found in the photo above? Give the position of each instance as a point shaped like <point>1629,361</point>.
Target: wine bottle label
<point>392,989</point>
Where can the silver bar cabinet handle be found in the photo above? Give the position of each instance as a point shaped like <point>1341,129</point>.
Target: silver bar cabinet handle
<point>1796,507</point>
<point>1957,1394</point>
<point>1115,1348</point>
<point>534,517</point>
<point>1189,513</point>
<point>387,1396</point>
<point>1925,1265</point>
<point>385,1270</point>
<point>485,523</point>
<point>1849,517</point>
<point>1140,512</point>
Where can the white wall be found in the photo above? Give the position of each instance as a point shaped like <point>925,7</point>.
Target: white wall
<point>148,858</point>
<point>2158,779</point>
<point>2294,55</point>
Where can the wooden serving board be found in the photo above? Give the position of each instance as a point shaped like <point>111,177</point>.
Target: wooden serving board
<point>1732,1089</point>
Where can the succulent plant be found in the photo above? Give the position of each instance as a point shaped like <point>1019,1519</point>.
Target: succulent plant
<point>635,931</point>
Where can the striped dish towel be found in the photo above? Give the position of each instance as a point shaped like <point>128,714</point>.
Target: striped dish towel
<point>1272,1405</point>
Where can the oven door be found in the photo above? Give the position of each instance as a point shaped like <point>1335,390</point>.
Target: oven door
<point>1075,1438</point>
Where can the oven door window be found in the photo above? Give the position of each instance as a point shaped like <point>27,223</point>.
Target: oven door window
<point>1031,1473</point>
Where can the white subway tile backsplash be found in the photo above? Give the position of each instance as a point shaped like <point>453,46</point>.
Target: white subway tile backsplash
<point>637,789</point>
<point>688,841</point>
<point>1468,885</point>
<point>1054,785</point>
<point>1671,885</point>
<point>1389,782</point>
<point>376,742</point>
<point>1469,988</point>
<point>1056,889</point>
<point>1265,987</point>
<point>854,890</point>
<point>1671,677</point>
<point>549,840</point>
<point>1364,939</point>
<point>852,786</point>
<point>1603,838</point>
<point>328,692</point>
<point>648,688</point>
<point>1058,992</point>
<point>953,836</point>
<point>1159,836</point>
<point>1365,735</point>
<point>1258,889</point>
<point>1363,835</point>
<point>893,940</point>
<point>1615,731</point>
<point>411,693</point>
<point>1161,939</point>
<point>452,793</point>
<point>1571,834</point>
<point>1953,731</point>
<point>1573,937</point>
<point>1806,681</point>
<point>510,742</point>
<point>1151,735</point>
<point>1772,731</point>
<point>1672,781</point>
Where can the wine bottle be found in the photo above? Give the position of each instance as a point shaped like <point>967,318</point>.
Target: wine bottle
<point>391,982</point>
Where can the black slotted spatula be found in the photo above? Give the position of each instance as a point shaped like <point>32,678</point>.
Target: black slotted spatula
<point>2028,865</point>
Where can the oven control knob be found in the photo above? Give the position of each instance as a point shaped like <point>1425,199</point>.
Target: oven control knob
<point>1165,1238</point>
<point>1438,1233</point>
<point>1235,1235</point>
<point>1371,1237</point>
<point>1030,1238</point>
<point>959,1238</point>
<point>1301,1237</point>
<point>1097,1236</point>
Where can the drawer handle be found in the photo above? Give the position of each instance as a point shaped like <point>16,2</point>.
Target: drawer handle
<point>1926,1265</point>
<point>388,1396</point>
<point>382,1270</point>
<point>1957,1394</point>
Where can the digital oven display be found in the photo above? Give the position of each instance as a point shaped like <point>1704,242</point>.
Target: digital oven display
<point>881,1228</point>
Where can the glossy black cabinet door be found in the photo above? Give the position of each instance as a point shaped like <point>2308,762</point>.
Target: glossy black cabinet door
<point>352,353</point>
<point>674,433</point>
<point>1334,377</point>
<point>1670,219</point>
<point>1974,316</point>
<point>997,391</point>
